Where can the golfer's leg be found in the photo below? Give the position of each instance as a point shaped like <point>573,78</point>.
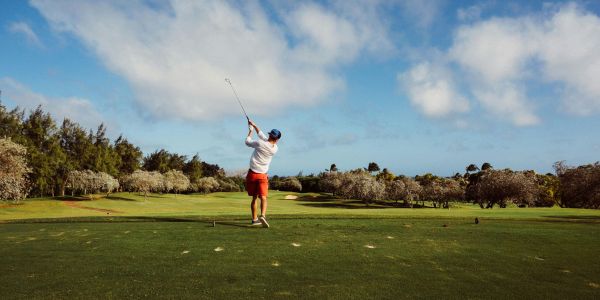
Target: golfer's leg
<point>263,205</point>
<point>253,207</point>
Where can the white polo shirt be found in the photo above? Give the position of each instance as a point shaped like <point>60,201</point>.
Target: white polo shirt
<point>263,153</point>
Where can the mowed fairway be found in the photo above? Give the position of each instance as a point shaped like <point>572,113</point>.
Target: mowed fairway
<point>167,247</point>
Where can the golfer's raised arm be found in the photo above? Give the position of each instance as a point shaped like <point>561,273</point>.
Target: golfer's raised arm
<point>251,123</point>
<point>261,135</point>
<point>249,141</point>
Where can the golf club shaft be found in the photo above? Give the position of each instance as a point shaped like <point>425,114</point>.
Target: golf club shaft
<point>238,98</point>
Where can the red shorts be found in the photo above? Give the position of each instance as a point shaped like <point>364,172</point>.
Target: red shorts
<point>257,184</point>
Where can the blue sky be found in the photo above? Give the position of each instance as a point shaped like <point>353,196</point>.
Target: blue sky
<point>416,86</point>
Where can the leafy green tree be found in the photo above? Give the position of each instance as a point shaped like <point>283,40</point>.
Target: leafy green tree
<point>163,161</point>
<point>157,161</point>
<point>44,152</point>
<point>193,168</point>
<point>78,150</point>
<point>549,186</point>
<point>373,167</point>
<point>11,123</point>
<point>310,184</point>
<point>105,158</point>
<point>333,168</point>
<point>130,156</point>
<point>177,162</point>
<point>385,175</point>
<point>471,168</point>
<point>426,178</point>
<point>212,170</point>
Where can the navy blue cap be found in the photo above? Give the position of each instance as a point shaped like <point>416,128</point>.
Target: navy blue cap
<point>274,133</point>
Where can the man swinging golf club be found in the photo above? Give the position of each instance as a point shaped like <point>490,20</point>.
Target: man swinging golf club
<point>257,180</point>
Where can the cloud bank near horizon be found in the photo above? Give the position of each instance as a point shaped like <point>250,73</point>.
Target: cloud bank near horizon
<point>77,109</point>
<point>176,56</point>
<point>493,63</point>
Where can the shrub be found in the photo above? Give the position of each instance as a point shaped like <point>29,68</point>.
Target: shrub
<point>13,171</point>
<point>87,181</point>
<point>413,191</point>
<point>144,182</point>
<point>108,183</point>
<point>291,184</point>
<point>310,184</point>
<point>207,185</point>
<point>227,184</point>
<point>403,188</point>
<point>361,186</point>
<point>395,190</point>
<point>330,182</point>
<point>176,181</point>
<point>443,190</point>
<point>501,187</point>
<point>580,186</point>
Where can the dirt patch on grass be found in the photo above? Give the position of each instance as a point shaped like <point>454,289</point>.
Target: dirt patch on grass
<point>75,204</point>
<point>291,197</point>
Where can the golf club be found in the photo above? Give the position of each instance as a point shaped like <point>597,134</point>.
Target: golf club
<point>238,98</point>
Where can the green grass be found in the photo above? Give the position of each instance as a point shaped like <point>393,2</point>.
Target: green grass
<point>224,205</point>
<point>317,247</point>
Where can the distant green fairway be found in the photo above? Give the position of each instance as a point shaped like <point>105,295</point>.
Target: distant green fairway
<point>167,247</point>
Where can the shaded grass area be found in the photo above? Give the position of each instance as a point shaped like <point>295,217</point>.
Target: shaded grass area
<point>237,204</point>
<point>309,257</point>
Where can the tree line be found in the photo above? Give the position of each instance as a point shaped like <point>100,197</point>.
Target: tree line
<point>577,187</point>
<point>53,154</point>
<point>40,158</point>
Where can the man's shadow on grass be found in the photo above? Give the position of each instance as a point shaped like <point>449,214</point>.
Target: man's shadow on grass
<point>210,223</point>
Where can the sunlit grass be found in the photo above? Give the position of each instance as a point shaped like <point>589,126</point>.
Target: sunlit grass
<point>237,204</point>
<point>165,246</point>
<point>186,257</point>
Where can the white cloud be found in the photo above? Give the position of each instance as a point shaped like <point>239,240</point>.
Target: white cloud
<point>432,91</point>
<point>176,58</point>
<point>495,50</point>
<point>507,101</point>
<point>24,29</point>
<point>471,13</point>
<point>424,13</point>
<point>76,109</point>
<point>329,38</point>
<point>570,53</point>
<point>498,58</point>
